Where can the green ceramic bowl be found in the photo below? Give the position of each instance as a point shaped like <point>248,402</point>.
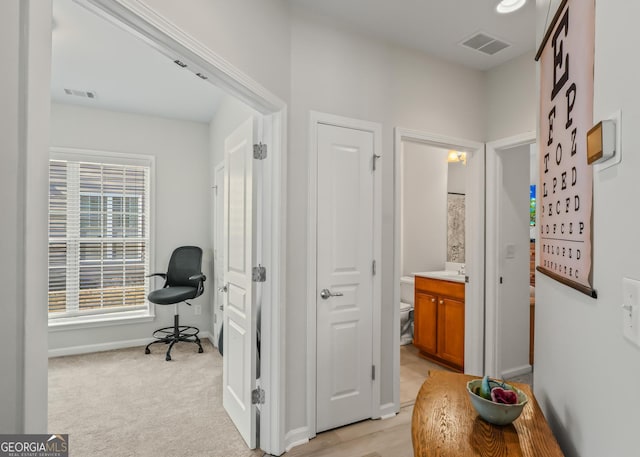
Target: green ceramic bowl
<point>495,413</point>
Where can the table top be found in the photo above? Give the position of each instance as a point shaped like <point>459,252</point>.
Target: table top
<point>445,423</point>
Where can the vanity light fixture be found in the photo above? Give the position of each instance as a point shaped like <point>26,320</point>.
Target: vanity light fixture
<point>509,6</point>
<point>457,156</point>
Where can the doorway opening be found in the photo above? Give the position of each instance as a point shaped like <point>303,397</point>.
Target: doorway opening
<point>433,196</point>
<point>411,248</point>
<point>512,172</point>
<point>199,62</point>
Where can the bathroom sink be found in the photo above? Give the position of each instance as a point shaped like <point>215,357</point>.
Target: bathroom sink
<point>447,275</point>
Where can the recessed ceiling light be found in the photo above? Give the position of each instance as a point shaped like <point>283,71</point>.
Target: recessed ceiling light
<point>509,6</point>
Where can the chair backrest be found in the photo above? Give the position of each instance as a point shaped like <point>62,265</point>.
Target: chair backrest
<point>185,262</point>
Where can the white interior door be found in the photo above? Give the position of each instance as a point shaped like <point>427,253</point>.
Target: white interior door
<point>344,269</point>
<point>239,333</point>
<point>218,251</point>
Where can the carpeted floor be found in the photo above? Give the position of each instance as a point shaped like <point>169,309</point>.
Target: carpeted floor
<point>125,403</point>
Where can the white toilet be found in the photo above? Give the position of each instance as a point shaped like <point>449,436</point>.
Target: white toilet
<point>407,285</point>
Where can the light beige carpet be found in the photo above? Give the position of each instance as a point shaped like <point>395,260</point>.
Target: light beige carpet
<point>125,403</point>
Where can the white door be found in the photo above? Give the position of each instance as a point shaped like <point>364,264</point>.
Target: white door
<point>239,332</point>
<point>344,269</point>
<point>218,250</point>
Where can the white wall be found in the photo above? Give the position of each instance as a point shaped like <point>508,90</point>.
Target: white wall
<point>512,314</point>
<point>586,373</point>
<point>253,35</point>
<point>511,98</point>
<point>182,200</point>
<point>337,71</point>
<point>424,208</point>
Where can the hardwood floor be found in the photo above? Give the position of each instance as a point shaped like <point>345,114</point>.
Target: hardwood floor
<point>377,438</point>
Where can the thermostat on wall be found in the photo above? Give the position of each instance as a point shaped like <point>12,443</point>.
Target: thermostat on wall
<point>601,142</point>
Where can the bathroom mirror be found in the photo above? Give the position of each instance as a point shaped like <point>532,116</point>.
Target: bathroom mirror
<point>456,178</point>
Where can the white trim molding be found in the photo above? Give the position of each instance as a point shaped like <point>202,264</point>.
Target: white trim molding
<point>110,346</point>
<point>296,437</point>
<point>493,174</point>
<point>474,290</point>
<point>517,371</point>
<point>315,119</point>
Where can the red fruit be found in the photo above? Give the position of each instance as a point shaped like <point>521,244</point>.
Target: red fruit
<point>500,395</point>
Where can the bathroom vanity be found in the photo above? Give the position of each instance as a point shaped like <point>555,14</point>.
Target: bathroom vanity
<point>439,317</point>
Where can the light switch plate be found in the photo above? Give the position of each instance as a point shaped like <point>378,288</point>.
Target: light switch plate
<point>631,310</point>
<point>511,251</point>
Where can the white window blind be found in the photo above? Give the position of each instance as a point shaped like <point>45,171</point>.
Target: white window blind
<point>98,237</point>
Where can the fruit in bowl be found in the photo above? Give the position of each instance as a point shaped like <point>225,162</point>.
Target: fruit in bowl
<point>495,401</point>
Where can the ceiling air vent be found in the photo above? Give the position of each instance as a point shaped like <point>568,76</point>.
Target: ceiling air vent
<point>485,43</point>
<point>81,93</point>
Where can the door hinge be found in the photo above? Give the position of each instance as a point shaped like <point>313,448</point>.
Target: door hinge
<point>373,372</point>
<point>260,151</point>
<point>375,157</point>
<point>259,274</point>
<point>500,279</point>
<point>257,396</point>
<point>373,268</point>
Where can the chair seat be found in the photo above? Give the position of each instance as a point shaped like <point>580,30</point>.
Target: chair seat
<point>171,295</point>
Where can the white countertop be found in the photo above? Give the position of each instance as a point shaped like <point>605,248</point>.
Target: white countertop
<point>446,275</point>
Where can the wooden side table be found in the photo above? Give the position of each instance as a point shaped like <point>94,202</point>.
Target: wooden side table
<point>444,423</point>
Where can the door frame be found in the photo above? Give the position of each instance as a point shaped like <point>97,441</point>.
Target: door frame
<point>474,307</point>
<point>493,174</point>
<point>218,212</point>
<point>315,119</point>
<point>141,20</point>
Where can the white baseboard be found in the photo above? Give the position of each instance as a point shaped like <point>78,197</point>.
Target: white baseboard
<point>518,371</point>
<point>110,346</point>
<point>388,410</point>
<point>296,437</point>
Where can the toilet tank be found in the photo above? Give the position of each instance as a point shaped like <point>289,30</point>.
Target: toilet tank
<point>407,284</point>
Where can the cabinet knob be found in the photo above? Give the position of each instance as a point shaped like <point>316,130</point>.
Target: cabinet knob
<point>442,302</point>
<point>433,300</point>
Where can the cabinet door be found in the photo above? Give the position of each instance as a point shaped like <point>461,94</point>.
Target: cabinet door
<point>425,319</point>
<point>451,331</point>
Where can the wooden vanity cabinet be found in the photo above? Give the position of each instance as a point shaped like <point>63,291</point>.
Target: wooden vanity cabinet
<point>439,321</point>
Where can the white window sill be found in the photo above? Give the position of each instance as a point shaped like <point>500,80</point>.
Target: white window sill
<point>101,320</point>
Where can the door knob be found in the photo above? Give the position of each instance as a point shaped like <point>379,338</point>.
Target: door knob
<point>224,289</point>
<point>326,293</point>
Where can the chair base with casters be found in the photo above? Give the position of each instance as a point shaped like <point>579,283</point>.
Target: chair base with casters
<point>175,334</point>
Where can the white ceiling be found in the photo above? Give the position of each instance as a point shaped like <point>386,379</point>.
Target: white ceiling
<point>91,54</point>
<point>436,27</point>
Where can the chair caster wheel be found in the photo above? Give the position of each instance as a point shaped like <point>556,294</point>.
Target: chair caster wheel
<point>168,358</point>
<point>200,351</point>
<point>147,351</point>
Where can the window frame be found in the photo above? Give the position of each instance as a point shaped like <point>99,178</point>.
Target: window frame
<point>110,317</point>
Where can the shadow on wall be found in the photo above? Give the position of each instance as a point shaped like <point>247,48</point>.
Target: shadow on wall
<point>561,428</point>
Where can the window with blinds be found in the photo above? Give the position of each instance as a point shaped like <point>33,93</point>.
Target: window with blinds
<point>98,237</point>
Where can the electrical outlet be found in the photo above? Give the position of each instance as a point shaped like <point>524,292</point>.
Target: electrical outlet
<point>197,309</point>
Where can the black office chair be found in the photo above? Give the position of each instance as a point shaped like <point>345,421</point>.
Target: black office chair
<point>183,281</point>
